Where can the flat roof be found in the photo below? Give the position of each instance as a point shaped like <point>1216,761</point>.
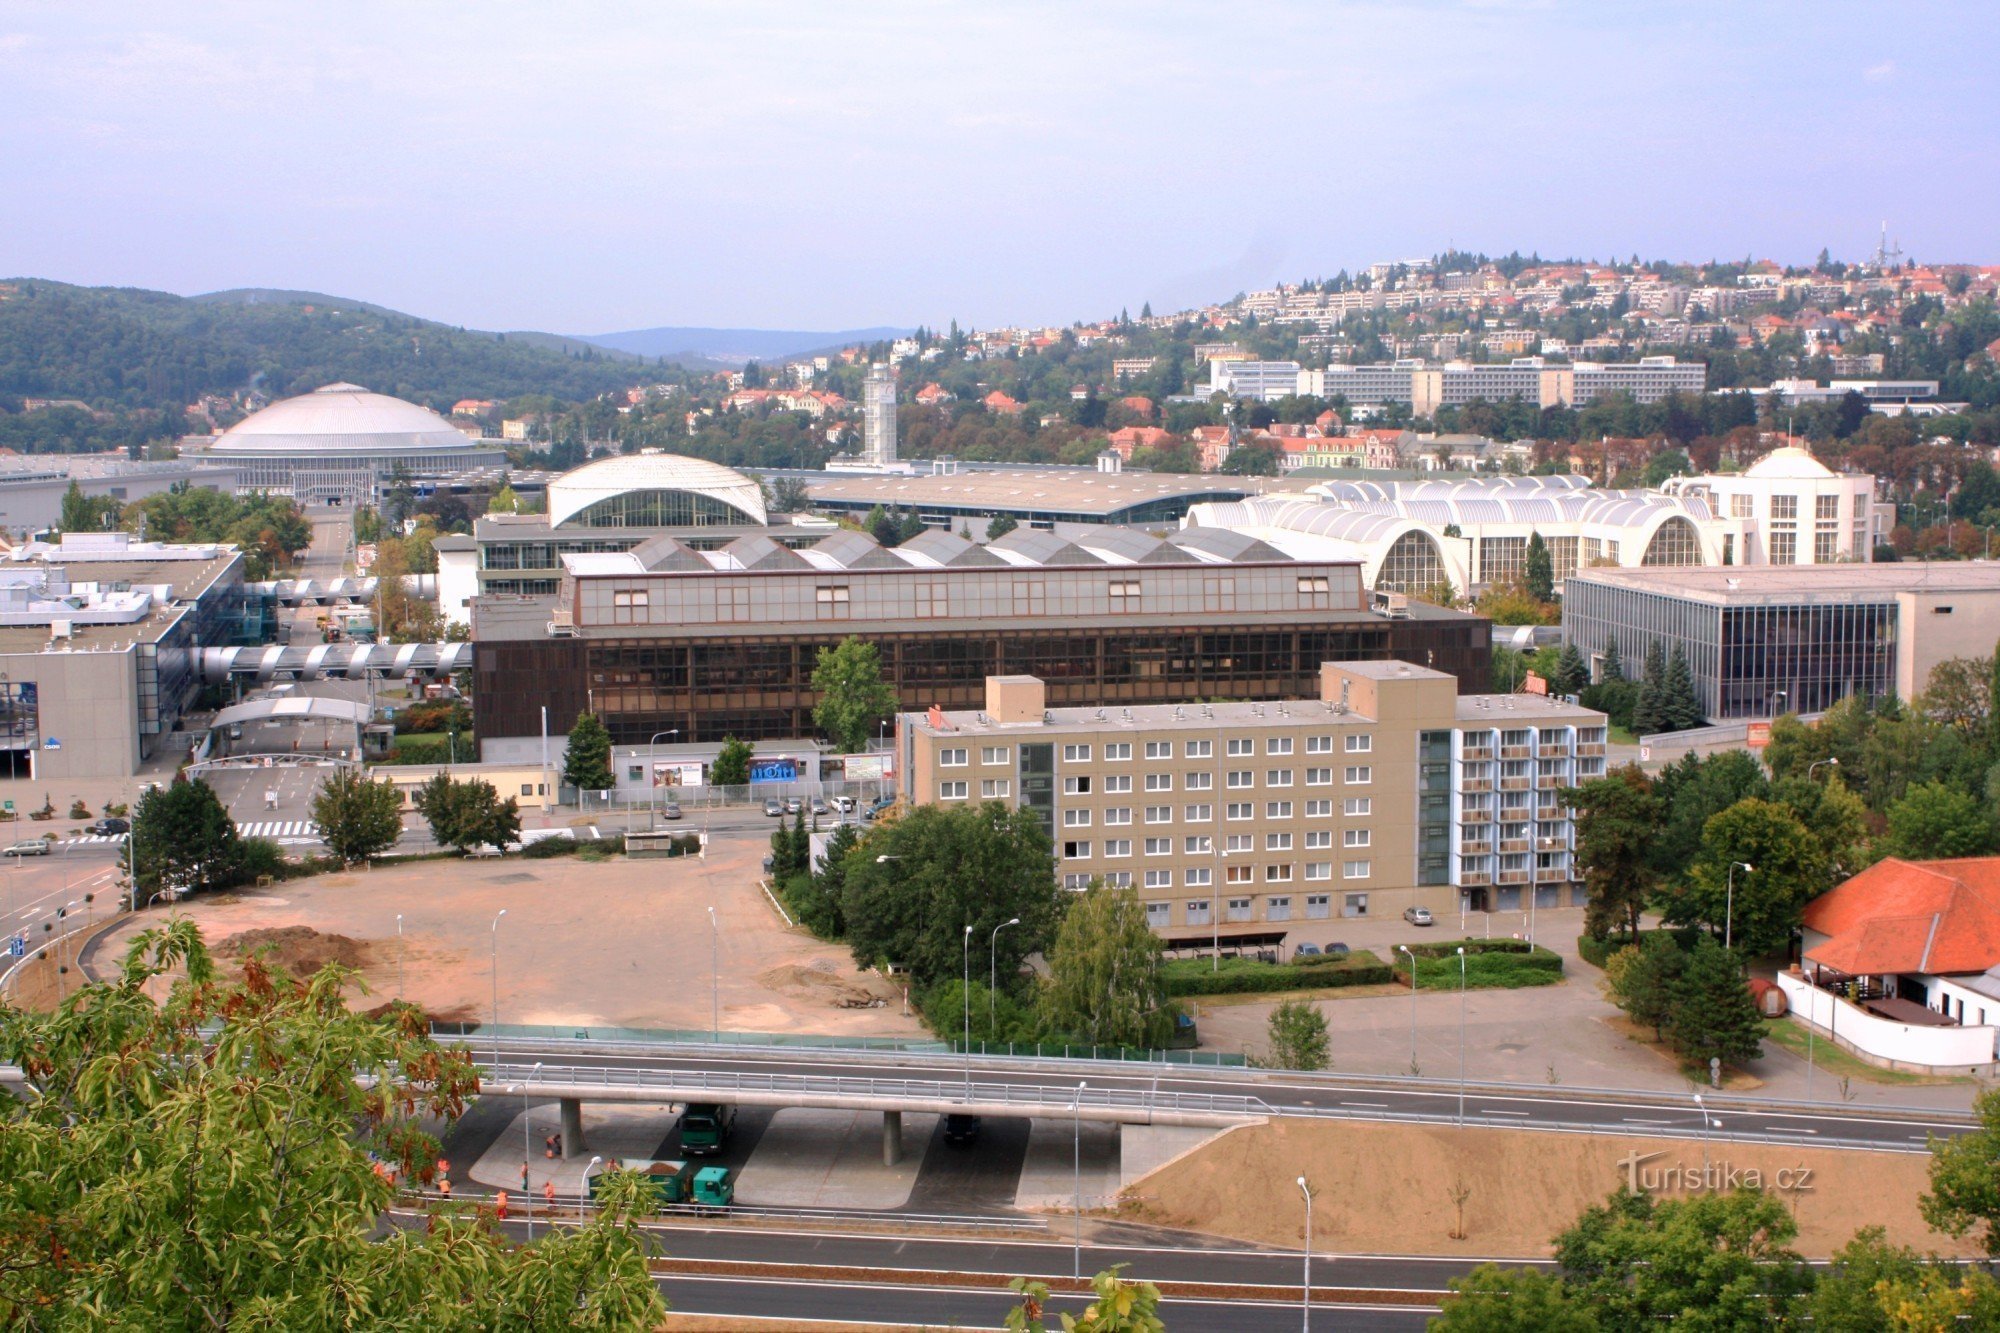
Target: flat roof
<point>1500,709</point>
<point>189,579</point>
<point>1728,585</point>
<point>1151,717</point>
<point>1073,491</point>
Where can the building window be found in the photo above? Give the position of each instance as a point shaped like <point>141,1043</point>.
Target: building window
<point>1278,874</point>
<point>1241,777</point>
<point>1355,837</point>
<point>1076,819</point>
<point>952,791</point>
<point>1241,810</point>
<point>1200,877</point>
<point>831,601</point>
<point>1118,847</point>
<point>1199,844</point>
<point>1319,745</point>
<point>953,758</point>
<point>1117,783</point>
<point>1319,777</point>
<point>1360,744</point>
<point>1359,775</point>
<point>1355,904</point>
<point>1784,548</point>
<point>1318,870</point>
<point>1201,813</point>
<point>1076,851</point>
<point>1159,749</point>
<point>995,789</point>
<point>994,754</point>
<point>933,600</point>
<point>1319,906</point>
<point>1118,814</point>
<point>636,773</point>
<point>1076,882</point>
<point>1277,810</point>
<point>1076,754</point>
<point>1117,879</point>
<point>1356,869</point>
<point>1159,814</point>
<point>1242,745</point>
<point>1125,594</point>
<point>1076,786</point>
<point>1278,745</point>
<point>1320,809</point>
<point>1198,750</point>
<point>1739,507</point>
<point>1159,846</point>
<point>1413,564</point>
<point>1358,806</point>
<point>1277,777</point>
<point>1240,842</point>
<point>1278,909</point>
<point>1676,543</point>
<point>1319,839</point>
<point>1784,506</point>
<point>1200,781</point>
<point>1197,913</point>
<point>1159,782</point>
<point>1116,750</point>
<point>1277,842</point>
<point>1239,908</point>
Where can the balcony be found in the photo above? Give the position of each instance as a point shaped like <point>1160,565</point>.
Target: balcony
<point>1551,783</point>
<point>1590,749</point>
<point>1552,752</point>
<point>1477,879</point>
<point>1513,784</point>
<point>1513,877</point>
<point>1552,875</point>
<point>1514,751</point>
<point>1475,785</point>
<point>1552,844</point>
<point>1475,849</point>
<point>1476,753</point>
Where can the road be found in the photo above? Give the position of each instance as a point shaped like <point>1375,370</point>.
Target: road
<point>1327,1096</point>
<point>35,889</point>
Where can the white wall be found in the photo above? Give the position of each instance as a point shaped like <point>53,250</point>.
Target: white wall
<point>1900,1045</point>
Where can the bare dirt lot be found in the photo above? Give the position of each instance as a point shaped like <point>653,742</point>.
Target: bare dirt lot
<point>1387,1189</point>
<point>613,944</point>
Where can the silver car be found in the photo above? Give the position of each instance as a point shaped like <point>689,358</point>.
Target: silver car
<point>30,847</point>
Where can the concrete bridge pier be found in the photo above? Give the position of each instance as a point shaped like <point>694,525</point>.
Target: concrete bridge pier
<point>572,1127</point>
<point>892,1137</point>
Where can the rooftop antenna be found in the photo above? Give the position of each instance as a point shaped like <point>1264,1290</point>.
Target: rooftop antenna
<point>1887,253</point>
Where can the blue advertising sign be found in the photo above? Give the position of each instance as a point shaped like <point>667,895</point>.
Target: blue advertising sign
<point>773,770</point>
<point>17,946</point>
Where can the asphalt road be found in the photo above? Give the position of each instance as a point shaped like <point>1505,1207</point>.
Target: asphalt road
<point>1319,1096</point>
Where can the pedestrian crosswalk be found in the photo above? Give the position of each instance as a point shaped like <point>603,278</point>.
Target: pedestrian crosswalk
<point>280,829</point>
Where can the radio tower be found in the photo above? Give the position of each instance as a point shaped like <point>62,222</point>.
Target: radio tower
<point>1888,252</point>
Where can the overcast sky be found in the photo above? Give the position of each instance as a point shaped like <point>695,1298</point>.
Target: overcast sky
<point>586,167</point>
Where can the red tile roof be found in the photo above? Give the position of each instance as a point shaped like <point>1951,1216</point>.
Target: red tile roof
<point>1940,917</point>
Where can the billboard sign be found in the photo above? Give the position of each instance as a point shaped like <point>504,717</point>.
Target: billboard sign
<point>678,773</point>
<point>774,770</point>
<point>1758,735</point>
<point>866,768</point>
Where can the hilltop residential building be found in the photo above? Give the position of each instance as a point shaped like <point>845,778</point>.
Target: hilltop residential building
<point>1257,824</point>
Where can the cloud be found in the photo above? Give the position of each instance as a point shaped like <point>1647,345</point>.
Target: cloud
<point>1881,73</point>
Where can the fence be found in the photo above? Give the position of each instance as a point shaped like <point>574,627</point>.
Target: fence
<point>472,1031</point>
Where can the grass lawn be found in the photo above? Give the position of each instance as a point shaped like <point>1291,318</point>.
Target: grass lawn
<point>1620,736</point>
<point>1832,1061</point>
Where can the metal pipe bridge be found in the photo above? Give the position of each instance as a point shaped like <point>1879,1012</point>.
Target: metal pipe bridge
<point>335,661</point>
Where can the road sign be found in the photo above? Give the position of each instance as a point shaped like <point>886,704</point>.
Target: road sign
<point>8,806</point>
<point>17,946</point>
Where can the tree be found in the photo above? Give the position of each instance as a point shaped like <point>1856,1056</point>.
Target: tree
<point>209,1160</point>
<point>1297,1036</point>
<point>1680,707</point>
<point>790,496</point>
<point>1959,695</point>
<point>1691,793</point>
<point>1492,1299</point>
<point>184,839</point>
<point>1759,912</point>
<point>1649,713</point>
<point>1539,575</point>
<point>1572,673</point>
<point>1617,822</point>
<point>1104,983</point>
<point>1934,821</point>
<point>945,869</point>
<point>1252,460</point>
<point>1965,1178</point>
<point>1614,665</point>
<point>356,818</point>
<point>1714,1016</point>
<point>1120,1307</point>
<point>88,513</point>
<point>1710,1262</point>
<point>819,908</point>
<point>469,814</point>
<point>1876,1287</point>
<point>1000,525</point>
<point>853,697</point>
<point>504,501</point>
<point>587,760</point>
<point>1507,670</point>
<point>732,764</point>
<point>1647,981</point>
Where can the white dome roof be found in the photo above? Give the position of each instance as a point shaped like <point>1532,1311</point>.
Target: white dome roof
<point>621,474</point>
<point>1790,463</point>
<point>342,418</point>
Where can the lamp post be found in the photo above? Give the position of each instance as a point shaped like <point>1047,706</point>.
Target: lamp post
<point>1404,949</point>
<point>545,759</point>
<point>527,1153</point>
<point>1701,1109</point>
<point>1834,760</point>
<point>1076,1149</point>
<point>399,956</point>
<point>653,773</point>
<point>1307,1310</point>
<point>993,969</point>
<point>495,968</point>
<point>965,993</point>
<point>583,1190</point>
<point>1461,1034</point>
<point>1729,902</point>
<point>714,979</point>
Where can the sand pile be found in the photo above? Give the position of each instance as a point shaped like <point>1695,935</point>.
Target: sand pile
<point>299,950</point>
<point>821,982</point>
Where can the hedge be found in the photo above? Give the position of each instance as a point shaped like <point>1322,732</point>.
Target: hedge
<point>1597,952</point>
<point>1489,964</point>
<point>1247,976</point>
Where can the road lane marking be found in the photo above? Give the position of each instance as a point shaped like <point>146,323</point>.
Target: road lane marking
<point>1367,1106</point>
<point>1791,1129</point>
<point>1489,1111</point>
<point>1634,1120</point>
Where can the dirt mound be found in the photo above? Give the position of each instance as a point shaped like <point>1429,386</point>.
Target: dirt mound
<point>818,981</point>
<point>458,1013</point>
<point>300,950</point>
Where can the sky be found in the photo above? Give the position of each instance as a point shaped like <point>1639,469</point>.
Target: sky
<point>590,167</point>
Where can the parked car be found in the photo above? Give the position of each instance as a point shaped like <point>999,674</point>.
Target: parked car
<point>793,805</point>
<point>1337,950</point>
<point>880,804</point>
<point>819,808</point>
<point>961,1131</point>
<point>1418,916</point>
<point>29,847</point>
<point>1307,950</point>
<point>110,828</point>
<point>774,808</point>
<point>671,810</point>
<point>844,804</point>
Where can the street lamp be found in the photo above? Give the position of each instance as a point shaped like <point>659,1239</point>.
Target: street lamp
<point>653,773</point>
<point>583,1190</point>
<point>1404,949</point>
<point>527,1153</point>
<point>1835,761</point>
<point>1306,1190</point>
<point>399,956</point>
<point>714,978</point>
<point>1076,1149</point>
<point>965,990</point>
<point>495,968</point>
<point>1729,903</point>
<point>993,969</point>
<point>1701,1108</point>
<point>1461,1035</point>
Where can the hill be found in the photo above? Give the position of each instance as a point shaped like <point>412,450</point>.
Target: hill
<point>736,346</point>
<point>128,348</point>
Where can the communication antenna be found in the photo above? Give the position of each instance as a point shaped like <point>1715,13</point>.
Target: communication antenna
<point>1887,252</point>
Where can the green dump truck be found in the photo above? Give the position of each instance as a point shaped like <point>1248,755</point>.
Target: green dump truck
<point>713,1188</point>
<point>669,1182</point>
<point>705,1128</point>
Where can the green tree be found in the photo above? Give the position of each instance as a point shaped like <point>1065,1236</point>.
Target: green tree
<point>1617,822</point>
<point>1491,1299</point>
<point>356,818</point>
<point>1875,1287</point>
<point>1104,983</point>
<point>1934,822</point>
<point>1647,984</point>
<point>999,526</point>
<point>913,886</point>
<point>853,697</point>
<point>1680,706</point>
<point>203,1160</point>
<point>1836,819</point>
<point>1691,793</point>
<point>504,501</point>
<point>1649,713</point>
<point>790,496</point>
<point>732,764</point>
<point>184,839</point>
<point>1296,1035</point>
<point>468,814</point>
<point>1614,665</point>
<point>1119,1307</point>
<point>1712,1263</point>
<point>1508,669</point>
<point>1540,572</point>
<point>587,761</point>
<point>88,513</point>
<point>819,909</point>
<point>1572,672</point>
<point>1964,1195</point>
<point>1790,868</point>
<point>1714,1016</point>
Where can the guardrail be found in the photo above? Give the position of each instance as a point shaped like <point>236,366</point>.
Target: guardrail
<point>482,1034</point>
<point>573,1210</point>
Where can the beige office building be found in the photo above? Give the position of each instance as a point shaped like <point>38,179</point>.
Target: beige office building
<point>1248,823</point>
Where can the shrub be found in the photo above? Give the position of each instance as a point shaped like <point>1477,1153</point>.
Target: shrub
<point>1491,964</point>
<point>1597,952</point>
<point>543,848</point>
<point>1247,976</point>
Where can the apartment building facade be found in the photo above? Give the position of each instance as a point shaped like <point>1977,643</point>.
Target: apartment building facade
<point>1261,824</point>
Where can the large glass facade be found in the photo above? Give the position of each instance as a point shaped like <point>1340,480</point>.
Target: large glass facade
<point>657,509</point>
<point>1412,564</point>
<point>1676,543</point>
